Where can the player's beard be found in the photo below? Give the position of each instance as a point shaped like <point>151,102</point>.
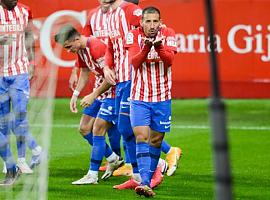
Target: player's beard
<point>106,5</point>
<point>152,33</point>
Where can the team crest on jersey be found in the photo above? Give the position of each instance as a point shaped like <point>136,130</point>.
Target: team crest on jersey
<point>130,38</point>
<point>137,12</point>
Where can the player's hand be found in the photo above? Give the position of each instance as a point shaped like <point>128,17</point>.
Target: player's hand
<point>148,41</point>
<point>31,71</point>
<point>109,75</point>
<point>73,104</point>
<point>73,80</point>
<point>88,100</point>
<point>158,41</point>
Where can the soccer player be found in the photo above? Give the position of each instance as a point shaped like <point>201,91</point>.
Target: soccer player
<point>151,49</point>
<point>90,50</point>
<point>96,25</point>
<point>16,68</point>
<point>123,17</point>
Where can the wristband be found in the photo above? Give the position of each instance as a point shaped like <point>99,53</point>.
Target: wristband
<point>76,93</point>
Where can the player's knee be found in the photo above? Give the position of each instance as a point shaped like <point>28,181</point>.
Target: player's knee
<point>84,129</point>
<point>141,138</point>
<point>156,140</point>
<point>100,127</point>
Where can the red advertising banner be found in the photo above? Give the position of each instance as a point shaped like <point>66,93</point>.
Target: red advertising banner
<point>242,43</point>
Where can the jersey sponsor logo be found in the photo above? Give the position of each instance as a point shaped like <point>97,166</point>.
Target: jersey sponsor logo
<point>153,54</point>
<point>101,33</point>
<point>137,12</point>
<point>115,33</point>
<point>130,38</point>
<point>11,28</point>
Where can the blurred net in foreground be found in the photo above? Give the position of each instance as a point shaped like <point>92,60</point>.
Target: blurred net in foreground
<point>40,116</point>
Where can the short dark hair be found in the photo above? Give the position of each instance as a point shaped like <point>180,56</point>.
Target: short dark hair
<point>133,1</point>
<point>150,9</point>
<point>66,32</point>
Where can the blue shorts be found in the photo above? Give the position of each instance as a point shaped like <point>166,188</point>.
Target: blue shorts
<point>156,115</point>
<point>122,101</point>
<point>14,90</point>
<point>93,109</point>
<point>107,110</point>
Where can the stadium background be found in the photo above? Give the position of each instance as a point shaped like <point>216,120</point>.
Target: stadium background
<point>243,43</point>
<point>243,75</point>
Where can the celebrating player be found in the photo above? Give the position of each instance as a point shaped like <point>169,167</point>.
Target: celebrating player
<point>16,68</point>
<point>151,49</point>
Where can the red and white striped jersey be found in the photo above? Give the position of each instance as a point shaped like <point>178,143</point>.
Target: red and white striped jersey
<point>90,58</point>
<point>152,79</point>
<point>96,24</point>
<point>120,21</point>
<point>13,54</point>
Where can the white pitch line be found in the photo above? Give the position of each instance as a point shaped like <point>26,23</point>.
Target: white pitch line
<point>256,128</point>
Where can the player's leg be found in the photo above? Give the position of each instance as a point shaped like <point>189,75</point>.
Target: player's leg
<point>85,129</point>
<point>173,154</point>
<point>127,158</point>
<point>12,172</point>
<point>5,152</point>
<point>124,127</point>
<point>19,95</point>
<point>31,144</point>
<point>140,121</point>
<point>126,169</point>
<point>102,124</point>
<point>140,115</point>
<point>105,122</point>
<point>87,120</point>
<point>100,148</point>
<point>160,123</point>
<point>36,150</point>
<point>114,138</point>
<point>87,123</point>
<point>154,150</point>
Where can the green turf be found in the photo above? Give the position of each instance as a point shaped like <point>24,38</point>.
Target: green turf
<point>249,148</point>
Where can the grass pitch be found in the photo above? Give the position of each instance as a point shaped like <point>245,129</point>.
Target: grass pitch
<point>249,139</point>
